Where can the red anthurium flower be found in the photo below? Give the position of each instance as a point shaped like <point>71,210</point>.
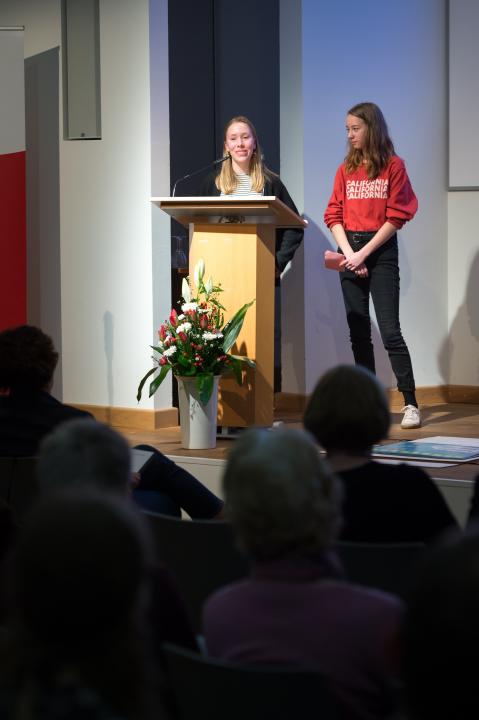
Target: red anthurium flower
<point>162,332</point>
<point>182,336</point>
<point>203,322</point>
<point>162,361</point>
<point>174,317</point>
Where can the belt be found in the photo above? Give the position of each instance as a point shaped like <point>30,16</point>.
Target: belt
<point>360,235</point>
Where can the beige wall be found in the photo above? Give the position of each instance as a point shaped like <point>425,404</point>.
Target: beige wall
<point>108,247</point>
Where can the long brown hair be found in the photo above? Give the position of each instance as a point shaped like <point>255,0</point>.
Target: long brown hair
<point>226,180</point>
<point>379,147</point>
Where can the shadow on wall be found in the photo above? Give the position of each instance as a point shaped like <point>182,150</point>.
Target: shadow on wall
<point>459,353</point>
<point>292,325</point>
<point>108,333</point>
<point>327,333</point>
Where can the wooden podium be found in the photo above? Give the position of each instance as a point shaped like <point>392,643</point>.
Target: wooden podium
<point>236,239</point>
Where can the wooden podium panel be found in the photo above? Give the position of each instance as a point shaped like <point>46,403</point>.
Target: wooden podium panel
<point>241,258</point>
<point>235,236</point>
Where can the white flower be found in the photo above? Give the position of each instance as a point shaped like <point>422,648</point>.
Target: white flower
<point>189,306</point>
<point>209,285</point>
<point>169,351</point>
<point>160,344</point>
<point>185,290</point>
<point>199,271</point>
<point>184,327</point>
<point>181,317</point>
<point>202,310</point>
<point>212,336</point>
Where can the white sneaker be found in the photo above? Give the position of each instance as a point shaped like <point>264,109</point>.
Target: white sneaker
<point>412,417</point>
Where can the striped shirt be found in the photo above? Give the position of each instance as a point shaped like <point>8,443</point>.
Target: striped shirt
<point>243,187</point>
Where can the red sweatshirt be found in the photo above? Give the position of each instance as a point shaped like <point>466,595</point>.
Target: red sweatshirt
<point>358,203</point>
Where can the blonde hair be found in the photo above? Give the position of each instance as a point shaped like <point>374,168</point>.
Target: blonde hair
<point>226,181</point>
<point>379,147</point>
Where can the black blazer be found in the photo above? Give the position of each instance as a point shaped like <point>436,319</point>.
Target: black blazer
<point>287,240</point>
<point>25,419</point>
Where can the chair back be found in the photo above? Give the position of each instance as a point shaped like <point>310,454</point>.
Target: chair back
<point>207,688</point>
<point>202,556</point>
<point>18,482</point>
<point>384,566</point>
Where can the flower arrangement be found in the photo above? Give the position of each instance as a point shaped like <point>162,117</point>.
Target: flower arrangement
<point>196,342</point>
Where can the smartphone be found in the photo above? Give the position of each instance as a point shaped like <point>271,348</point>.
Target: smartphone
<point>139,459</point>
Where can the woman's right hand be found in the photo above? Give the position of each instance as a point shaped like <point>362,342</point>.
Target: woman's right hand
<point>362,271</point>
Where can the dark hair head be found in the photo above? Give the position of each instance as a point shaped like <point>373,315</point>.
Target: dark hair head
<point>279,495</point>
<point>379,147</point>
<point>79,582</point>
<point>78,569</point>
<point>27,358</point>
<point>84,452</point>
<point>348,410</point>
<point>441,633</point>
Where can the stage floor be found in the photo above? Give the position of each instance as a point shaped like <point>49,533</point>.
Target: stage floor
<point>458,420</point>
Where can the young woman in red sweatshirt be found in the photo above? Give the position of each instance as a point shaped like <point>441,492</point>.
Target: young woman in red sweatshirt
<point>372,199</point>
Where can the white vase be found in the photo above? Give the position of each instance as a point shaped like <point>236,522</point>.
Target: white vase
<point>197,420</point>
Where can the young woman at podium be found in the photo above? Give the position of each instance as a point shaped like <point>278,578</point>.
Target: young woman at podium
<point>243,173</point>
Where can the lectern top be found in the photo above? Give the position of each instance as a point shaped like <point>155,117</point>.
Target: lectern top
<point>268,210</point>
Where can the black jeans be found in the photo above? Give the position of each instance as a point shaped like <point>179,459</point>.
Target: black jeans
<point>383,285</point>
<point>165,487</point>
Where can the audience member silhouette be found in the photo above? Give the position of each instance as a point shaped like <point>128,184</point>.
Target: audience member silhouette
<point>474,503</point>
<point>86,453</point>
<point>348,413</point>
<point>28,412</point>
<point>441,634</point>
<point>296,609</point>
<point>76,645</point>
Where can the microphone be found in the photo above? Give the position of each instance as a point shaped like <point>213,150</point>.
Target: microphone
<point>197,172</point>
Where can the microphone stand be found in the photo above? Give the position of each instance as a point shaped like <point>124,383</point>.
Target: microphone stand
<point>197,172</point>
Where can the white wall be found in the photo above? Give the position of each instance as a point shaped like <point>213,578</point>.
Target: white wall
<point>460,356</point>
<point>393,54</point>
<point>106,217</point>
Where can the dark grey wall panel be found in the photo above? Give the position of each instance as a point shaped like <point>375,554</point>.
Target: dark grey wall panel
<point>43,197</point>
<point>247,69</point>
<point>192,100</point>
<point>224,61</point>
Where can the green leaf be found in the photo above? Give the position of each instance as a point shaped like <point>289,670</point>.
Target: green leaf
<point>242,358</point>
<point>155,384</point>
<point>204,384</point>
<point>233,327</point>
<point>237,368</point>
<point>143,381</point>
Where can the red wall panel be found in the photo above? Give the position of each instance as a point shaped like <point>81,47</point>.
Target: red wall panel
<point>13,271</point>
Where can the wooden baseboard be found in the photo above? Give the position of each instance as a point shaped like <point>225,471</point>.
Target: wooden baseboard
<point>434,395</point>
<point>464,394</point>
<point>137,419</point>
<point>133,418</point>
<point>290,402</point>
